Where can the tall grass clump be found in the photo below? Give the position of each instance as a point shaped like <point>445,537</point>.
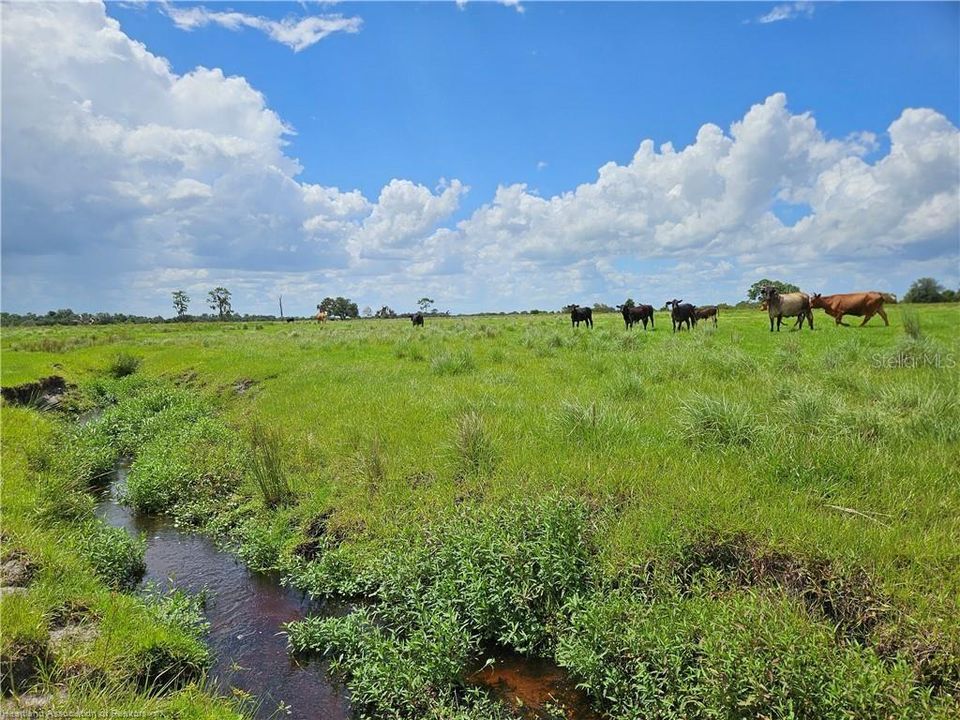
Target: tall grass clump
<point>474,448</point>
<point>718,421</point>
<point>408,348</point>
<point>266,465</point>
<point>371,464</point>
<point>123,364</point>
<point>591,422</point>
<point>453,363</point>
<point>911,323</point>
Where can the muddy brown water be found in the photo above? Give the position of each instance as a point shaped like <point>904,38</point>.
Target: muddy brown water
<point>246,611</point>
<point>534,688</point>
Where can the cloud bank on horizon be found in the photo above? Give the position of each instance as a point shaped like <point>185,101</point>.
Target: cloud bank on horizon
<point>123,180</point>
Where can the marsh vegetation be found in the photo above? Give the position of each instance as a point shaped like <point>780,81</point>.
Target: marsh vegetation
<point>722,523</point>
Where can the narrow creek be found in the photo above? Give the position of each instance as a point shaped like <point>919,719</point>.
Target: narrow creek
<point>246,611</point>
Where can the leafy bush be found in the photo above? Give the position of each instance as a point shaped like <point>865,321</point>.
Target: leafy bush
<point>495,576</point>
<point>123,364</point>
<point>183,463</point>
<point>747,654</point>
<point>179,609</point>
<point>116,557</point>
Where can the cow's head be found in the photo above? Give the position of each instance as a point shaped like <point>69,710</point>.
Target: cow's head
<point>816,300</point>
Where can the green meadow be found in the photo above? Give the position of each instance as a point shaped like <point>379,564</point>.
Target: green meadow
<point>720,523</point>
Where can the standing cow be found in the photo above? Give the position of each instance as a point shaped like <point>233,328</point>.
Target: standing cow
<point>781,305</point>
<point>635,314</point>
<point>680,313</point>
<point>580,314</point>
<point>417,319</point>
<point>867,304</point>
<point>707,312</point>
<point>321,315</point>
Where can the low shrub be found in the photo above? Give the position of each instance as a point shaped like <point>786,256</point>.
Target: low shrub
<point>115,556</point>
<point>123,364</point>
<point>747,654</point>
<point>494,576</point>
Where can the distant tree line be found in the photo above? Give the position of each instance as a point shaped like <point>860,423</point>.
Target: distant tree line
<point>923,290</point>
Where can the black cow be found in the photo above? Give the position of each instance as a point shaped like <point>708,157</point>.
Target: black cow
<point>635,314</point>
<point>578,313</point>
<point>681,313</point>
<point>417,319</point>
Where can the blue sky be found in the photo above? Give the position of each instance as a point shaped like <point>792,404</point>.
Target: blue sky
<point>486,97</point>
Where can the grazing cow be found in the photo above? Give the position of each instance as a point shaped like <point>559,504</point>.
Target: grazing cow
<point>635,314</point>
<point>578,314</point>
<point>289,319</point>
<point>321,315</point>
<point>867,304</point>
<point>680,313</point>
<point>781,305</point>
<point>417,319</point>
<point>705,313</point>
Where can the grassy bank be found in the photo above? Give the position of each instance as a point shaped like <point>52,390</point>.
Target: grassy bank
<point>75,637</point>
<point>720,523</point>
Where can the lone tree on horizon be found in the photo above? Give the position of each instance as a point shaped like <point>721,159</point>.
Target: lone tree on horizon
<point>340,307</point>
<point>219,299</point>
<point>180,302</point>
<point>926,290</point>
<point>424,304</point>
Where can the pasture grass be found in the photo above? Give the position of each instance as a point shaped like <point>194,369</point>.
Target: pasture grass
<point>716,491</point>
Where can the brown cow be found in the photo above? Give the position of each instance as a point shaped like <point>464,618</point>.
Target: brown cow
<point>707,312</point>
<point>321,315</point>
<point>867,304</point>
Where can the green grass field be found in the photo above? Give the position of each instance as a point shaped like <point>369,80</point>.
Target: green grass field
<point>723,523</point>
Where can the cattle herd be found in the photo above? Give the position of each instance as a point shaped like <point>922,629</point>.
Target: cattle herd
<point>778,305</point>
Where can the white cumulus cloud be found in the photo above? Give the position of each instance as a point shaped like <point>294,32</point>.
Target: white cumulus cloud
<point>787,11</point>
<point>296,33</point>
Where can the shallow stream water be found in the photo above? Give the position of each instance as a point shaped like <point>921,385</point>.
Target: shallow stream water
<point>246,611</point>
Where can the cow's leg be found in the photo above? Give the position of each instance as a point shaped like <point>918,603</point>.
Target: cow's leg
<point>771,323</point>
<point>866,317</point>
<point>883,314</point>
